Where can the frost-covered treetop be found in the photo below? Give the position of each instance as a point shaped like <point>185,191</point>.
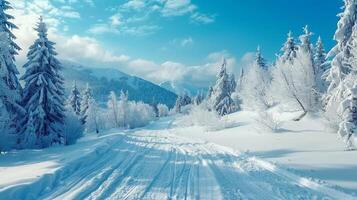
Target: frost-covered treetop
<point>7,26</point>
<point>223,70</point>
<point>289,48</point>
<point>259,59</point>
<point>305,40</point>
<point>320,50</point>
<point>345,25</point>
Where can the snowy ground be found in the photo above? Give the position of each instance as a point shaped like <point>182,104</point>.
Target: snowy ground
<point>306,148</point>
<point>163,161</point>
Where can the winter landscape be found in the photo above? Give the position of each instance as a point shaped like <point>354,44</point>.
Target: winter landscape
<point>178,99</point>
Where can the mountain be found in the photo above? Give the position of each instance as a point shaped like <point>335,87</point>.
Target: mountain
<point>104,80</point>
<point>178,87</point>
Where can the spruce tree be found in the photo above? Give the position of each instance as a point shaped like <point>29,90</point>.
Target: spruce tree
<point>259,60</point>
<point>339,75</point>
<point>221,100</point>
<point>74,100</point>
<point>7,26</point>
<point>320,65</point>
<point>289,49</point>
<point>305,51</point>
<point>43,96</point>
<point>348,126</point>
<point>10,86</point>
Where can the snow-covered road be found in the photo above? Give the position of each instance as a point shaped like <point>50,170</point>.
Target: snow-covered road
<point>155,163</point>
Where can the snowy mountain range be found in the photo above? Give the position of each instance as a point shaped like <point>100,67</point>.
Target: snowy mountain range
<point>179,87</point>
<point>104,80</point>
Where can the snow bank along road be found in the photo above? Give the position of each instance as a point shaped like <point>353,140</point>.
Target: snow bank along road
<point>154,163</point>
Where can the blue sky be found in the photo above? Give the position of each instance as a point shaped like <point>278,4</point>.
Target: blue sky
<point>156,38</point>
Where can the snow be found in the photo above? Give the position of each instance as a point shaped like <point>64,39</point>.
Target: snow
<point>307,148</point>
<point>165,160</point>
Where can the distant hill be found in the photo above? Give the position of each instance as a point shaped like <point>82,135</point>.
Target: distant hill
<point>104,80</point>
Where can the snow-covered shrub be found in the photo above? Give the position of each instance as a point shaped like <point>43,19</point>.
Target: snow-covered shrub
<point>201,116</point>
<point>269,122</point>
<point>122,113</point>
<point>163,110</point>
<point>140,114</point>
<point>73,128</point>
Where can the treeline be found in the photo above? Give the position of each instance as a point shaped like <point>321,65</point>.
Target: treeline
<point>303,77</point>
<point>38,114</point>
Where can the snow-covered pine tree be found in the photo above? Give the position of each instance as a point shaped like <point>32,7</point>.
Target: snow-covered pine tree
<point>43,96</point>
<point>10,91</point>
<point>7,26</point>
<point>10,85</point>
<point>87,96</point>
<point>305,51</point>
<point>254,91</point>
<point>348,126</point>
<point>221,100</point>
<point>74,100</point>
<point>321,65</point>
<point>339,73</point>
<point>259,60</point>
<point>289,49</point>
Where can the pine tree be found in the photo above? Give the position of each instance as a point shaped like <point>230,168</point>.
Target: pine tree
<point>320,65</point>
<point>348,126</point>
<point>85,104</point>
<point>289,49</point>
<point>259,60</point>
<point>9,84</point>
<point>306,45</point>
<point>339,74</point>
<point>221,100</point>
<point>7,27</point>
<point>43,96</point>
<point>305,51</point>
<point>74,100</point>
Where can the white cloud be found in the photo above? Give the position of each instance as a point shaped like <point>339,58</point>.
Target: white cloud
<point>187,42</point>
<point>89,51</point>
<point>116,20</point>
<point>177,7</point>
<point>202,18</point>
<point>133,16</point>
